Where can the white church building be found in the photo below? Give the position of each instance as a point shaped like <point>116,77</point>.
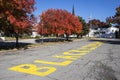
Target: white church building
<point>109,32</point>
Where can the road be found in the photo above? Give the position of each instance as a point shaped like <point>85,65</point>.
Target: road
<point>77,60</point>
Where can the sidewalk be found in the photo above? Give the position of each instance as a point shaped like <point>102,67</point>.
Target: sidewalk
<point>24,41</point>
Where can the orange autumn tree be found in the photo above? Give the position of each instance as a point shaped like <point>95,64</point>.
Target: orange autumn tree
<point>59,22</point>
<point>16,15</point>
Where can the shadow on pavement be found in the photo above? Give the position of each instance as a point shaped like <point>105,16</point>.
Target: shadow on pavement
<point>25,45</point>
<point>12,45</point>
<point>51,40</point>
<point>108,41</point>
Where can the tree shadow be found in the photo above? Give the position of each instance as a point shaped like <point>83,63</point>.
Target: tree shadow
<point>12,45</point>
<point>51,40</point>
<point>108,41</point>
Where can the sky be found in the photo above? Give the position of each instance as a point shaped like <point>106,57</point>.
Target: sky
<point>97,9</point>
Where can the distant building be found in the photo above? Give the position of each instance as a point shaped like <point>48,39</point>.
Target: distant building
<point>2,38</point>
<point>34,32</point>
<point>73,11</point>
<point>108,32</point>
<point>92,32</point>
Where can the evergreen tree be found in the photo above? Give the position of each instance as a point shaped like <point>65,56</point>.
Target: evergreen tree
<point>85,28</point>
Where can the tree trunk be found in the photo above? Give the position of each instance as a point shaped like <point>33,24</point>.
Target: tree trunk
<point>67,37</point>
<point>77,35</point>
<point>119,33</point>
<point>116,34</point>
<point>81,35</point>
<point>17,36</point>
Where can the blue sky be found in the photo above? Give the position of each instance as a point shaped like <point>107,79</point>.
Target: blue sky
<point>97,9</point>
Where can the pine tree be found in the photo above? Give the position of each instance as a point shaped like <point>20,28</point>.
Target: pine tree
<point>85,28</point>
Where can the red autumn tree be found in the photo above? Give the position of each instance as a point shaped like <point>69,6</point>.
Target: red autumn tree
<point>16,14</point>
<point>96,23</point>
<point>59,22</point>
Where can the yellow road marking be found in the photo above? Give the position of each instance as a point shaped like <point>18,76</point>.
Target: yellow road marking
<point>64,63</point>
<point>70,56</point>
<point>75,52</point>
<point>33,69</point>
<point>66,57</point>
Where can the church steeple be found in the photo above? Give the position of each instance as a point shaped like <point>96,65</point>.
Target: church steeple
<point>73,12</point>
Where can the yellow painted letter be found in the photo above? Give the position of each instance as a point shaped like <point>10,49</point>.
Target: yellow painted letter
<point>70,57</point>
<point>32,69</point>
<point>64,63</point>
